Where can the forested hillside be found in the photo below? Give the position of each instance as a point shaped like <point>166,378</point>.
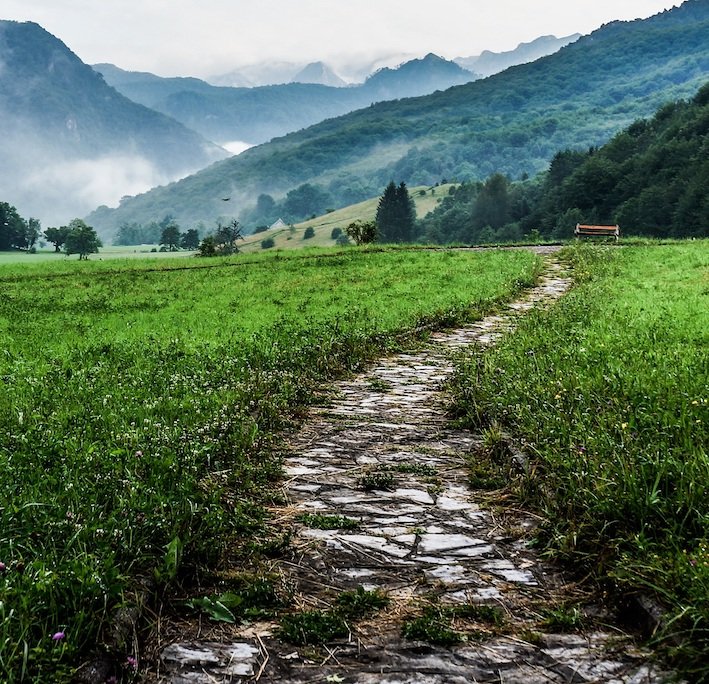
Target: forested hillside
<point>67,138</point>
<point>651,179</point>
<point>512,123</point>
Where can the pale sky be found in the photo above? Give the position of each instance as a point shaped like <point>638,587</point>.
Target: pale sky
<point>209,37</point>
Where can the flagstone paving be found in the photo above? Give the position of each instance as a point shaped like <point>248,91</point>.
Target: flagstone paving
<point>383,453</point>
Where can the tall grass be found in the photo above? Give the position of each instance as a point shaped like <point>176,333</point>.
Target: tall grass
<point>138,406</point>
<point>609,388</point>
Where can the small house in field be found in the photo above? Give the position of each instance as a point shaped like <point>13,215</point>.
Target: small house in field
<point>280,223</point>
<point>583,230</point>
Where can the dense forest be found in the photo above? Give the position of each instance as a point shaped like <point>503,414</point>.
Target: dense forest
<point>511,123</point>
<point>651,179</point>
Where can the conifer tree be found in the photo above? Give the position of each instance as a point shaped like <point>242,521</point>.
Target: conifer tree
<point>396,214</point>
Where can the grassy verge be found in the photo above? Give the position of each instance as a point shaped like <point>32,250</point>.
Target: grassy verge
<point>609,389</point>
<point>137,409</point>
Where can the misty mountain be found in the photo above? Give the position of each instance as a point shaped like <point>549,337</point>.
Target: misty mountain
<point>416,77</point>
<point>68,140</point>
<point>255,115</point>
<point>488,63</point>
<point>319,72</point>
<point>513,122</point>
<point>259,74</point>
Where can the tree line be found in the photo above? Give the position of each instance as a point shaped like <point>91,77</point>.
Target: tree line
<point>18,233</point>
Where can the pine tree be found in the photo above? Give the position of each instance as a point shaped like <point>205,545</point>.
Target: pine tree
<point>396,214</point>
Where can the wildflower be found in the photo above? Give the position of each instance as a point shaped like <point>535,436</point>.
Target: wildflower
<point>132,662</point>
<point>623,426</point>
<point>3,567</point>
<point>138,454</point>
<point>58,636</point>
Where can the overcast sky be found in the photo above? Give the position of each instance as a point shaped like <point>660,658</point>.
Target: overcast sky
<point>209,37</point>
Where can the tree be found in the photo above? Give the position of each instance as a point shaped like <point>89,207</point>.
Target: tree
<point>170,237</point>
<point>362,232</point>
<point>305,201</point>
<point>492,203</point>
<point>226,237</point>
<point>208,247</point>
<point>396,214</point>
<point>81,239</point>
<point>32,233</point>
<point>57,236</point>
<point>12,227</point>
<point>190,239</point>
<point>309,233</point>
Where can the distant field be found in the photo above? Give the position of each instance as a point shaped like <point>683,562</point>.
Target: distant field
<point>109,252</point>
<point>322,225</point>
<point>610,388</point>
<point>138,401</point>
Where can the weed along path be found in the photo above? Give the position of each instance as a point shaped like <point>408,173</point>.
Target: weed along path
<point>400,573</point>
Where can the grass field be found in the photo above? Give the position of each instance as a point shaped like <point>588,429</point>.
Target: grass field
<point>610,390</point>
<point>138,404</point>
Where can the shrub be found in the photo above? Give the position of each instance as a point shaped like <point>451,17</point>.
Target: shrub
<point>309,232</point>
<point>268,243</point>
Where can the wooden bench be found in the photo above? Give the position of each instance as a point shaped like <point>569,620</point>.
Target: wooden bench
<point>597,231</point>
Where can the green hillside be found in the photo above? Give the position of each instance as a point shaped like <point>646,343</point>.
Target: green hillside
<point>513,123</point>
<point>651,179</point>
<point>426,199</point>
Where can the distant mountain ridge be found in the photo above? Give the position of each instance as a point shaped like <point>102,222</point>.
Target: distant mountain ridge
<point>512,122</point>
<point>256,115</point>
<point>488,63</point>
<point>225,113</point>
<point>62,128</point>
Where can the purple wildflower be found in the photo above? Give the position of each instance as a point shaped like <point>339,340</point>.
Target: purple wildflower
<point>58,636</point>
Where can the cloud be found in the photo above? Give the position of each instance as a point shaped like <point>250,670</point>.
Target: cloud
<point>58,191</point>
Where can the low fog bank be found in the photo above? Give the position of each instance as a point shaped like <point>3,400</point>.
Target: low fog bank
<point>56,192</point>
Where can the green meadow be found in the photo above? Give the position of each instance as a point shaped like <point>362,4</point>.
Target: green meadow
<point>139,400</point>
<point>609,390</point>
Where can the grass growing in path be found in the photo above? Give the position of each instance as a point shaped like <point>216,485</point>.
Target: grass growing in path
<point>138,403</point>
<point>610,388</point>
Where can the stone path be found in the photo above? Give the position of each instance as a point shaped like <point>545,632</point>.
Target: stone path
<point>383,454</point>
